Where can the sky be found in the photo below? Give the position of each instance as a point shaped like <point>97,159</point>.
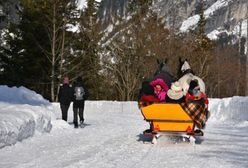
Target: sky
<point>32,134</point>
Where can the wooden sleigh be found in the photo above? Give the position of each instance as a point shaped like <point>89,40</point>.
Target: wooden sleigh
<point>169,119</point>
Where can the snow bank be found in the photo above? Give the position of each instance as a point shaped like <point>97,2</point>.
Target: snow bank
<point>233,110</point>
<point>21,95</point>
<point>22,113</point>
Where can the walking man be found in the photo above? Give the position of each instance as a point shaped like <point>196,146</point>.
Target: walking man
<point>80,95</point>
<point>65,97</point>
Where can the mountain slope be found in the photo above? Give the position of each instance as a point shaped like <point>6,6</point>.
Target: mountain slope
<point>221,15</point>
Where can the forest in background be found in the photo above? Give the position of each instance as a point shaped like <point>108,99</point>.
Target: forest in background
<point>38,51</point>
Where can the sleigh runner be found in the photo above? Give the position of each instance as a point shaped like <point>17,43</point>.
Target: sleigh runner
<point>173,119</point>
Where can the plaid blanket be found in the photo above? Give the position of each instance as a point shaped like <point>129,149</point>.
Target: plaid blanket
<point>197,113</point>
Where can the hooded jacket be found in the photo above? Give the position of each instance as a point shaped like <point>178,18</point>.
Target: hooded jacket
<point>162,93</point>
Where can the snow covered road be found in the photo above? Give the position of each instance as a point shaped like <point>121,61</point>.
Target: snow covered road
<point>112,140</point>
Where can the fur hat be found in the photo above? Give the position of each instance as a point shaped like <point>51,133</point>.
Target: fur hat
<point>176,91</point>
<point>66,80</point>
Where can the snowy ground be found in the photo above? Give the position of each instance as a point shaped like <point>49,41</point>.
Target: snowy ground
<point>112,139</point>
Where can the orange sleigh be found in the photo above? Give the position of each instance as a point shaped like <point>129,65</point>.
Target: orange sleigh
<point>167,118</point>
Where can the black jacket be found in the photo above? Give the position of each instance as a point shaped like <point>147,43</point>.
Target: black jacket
<point>169,100</point>
<point>65,94</point>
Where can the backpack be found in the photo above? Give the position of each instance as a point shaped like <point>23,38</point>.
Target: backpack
<point>79,93</point>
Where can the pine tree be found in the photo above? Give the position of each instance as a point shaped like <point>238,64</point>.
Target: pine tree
<point>202,53</point>
<point>86,61</point>
<point>202,40</point>
<point>43,42</point>
<point>203,47</point>
<point>22,57</point>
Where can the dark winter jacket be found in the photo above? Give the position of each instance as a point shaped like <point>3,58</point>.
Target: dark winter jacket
<point>169,100</point>
<point>146,89</point>
<point>79,103</point>
<point>65,94</point>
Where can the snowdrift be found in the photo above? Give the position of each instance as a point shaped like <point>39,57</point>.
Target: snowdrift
<point>21,95</point>
<point>22,113</point>
<point>233,110</point>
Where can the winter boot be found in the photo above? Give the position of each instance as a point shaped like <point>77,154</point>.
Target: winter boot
<point>75,125</point>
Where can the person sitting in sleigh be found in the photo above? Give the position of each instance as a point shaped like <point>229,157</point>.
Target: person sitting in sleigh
<point>196,104</point>
<point>175,93</point>
<point>160,89</point>
<point>194,95</point>
<point>146,95</point>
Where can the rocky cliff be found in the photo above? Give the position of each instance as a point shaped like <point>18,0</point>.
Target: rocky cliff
<point>221,15</point>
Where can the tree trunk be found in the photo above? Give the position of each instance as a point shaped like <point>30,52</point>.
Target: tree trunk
<point>53,54</point>
<point>61,73</point>
<point>239,63</point>
<point>246,89</point>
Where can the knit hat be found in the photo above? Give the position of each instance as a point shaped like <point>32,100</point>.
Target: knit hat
<point>193,84</point>
<point>194,88</point>
<point>66,80</point>
<point>147,88</point>
<point>176,91</point>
